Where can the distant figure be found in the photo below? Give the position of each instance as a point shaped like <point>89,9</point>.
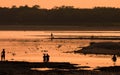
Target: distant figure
<point>52,37</point>
<point>114,59</point>
<point>3,55</point>
<point>46,58</point>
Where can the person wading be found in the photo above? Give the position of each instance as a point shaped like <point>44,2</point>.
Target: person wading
<point>46,58</point>
<point>114,59</point>
<point>3,55</point>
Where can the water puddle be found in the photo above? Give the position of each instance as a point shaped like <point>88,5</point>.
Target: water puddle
<point>41,69</point>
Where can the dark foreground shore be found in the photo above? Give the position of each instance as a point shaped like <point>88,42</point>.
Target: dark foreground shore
<point>55,68</point>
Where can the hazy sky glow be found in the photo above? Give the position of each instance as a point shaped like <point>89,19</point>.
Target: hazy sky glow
<point>53,3</point>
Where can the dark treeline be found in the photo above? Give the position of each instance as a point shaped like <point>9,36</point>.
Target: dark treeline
<point>58,15</point>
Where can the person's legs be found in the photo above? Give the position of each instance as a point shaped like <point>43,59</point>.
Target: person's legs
<point>1,58</point>
<point>4,57</point>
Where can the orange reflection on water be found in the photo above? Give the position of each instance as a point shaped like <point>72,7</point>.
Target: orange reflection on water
<point>21,47</point>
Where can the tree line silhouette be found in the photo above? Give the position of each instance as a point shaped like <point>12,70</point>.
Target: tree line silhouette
<point>58,15</point>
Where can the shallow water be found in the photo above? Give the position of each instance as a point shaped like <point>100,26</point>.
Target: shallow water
<point>30,46</point>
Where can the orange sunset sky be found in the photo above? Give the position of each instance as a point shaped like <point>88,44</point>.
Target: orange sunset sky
<point>52,3</point>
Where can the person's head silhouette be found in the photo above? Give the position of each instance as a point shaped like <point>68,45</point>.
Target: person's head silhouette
<point>3,49</point>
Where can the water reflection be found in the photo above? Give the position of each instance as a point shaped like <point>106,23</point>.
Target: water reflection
<point>41,69</point>
<point>21,47</point>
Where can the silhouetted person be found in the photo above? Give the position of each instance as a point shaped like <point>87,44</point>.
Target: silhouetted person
<point>44,57</point>
<point>114,59</point>
<point>52,37</point>
<point>47,58</point>
<point>3,55</point>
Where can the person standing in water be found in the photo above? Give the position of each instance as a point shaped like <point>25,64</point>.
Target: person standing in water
<point>46,58</point>
<point>114,59</point>
<point>52,36</point>
<point>3,55</point>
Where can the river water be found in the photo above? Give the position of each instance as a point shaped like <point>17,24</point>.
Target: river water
<point>30,46</point>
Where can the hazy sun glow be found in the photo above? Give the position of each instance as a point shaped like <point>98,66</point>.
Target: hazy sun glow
<point>53,3</point>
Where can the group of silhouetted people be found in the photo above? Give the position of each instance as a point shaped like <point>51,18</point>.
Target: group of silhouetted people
<point>46,58</point>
